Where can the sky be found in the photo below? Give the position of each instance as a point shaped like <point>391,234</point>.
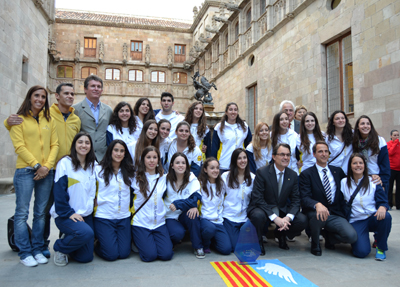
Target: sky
<point>175,9</point>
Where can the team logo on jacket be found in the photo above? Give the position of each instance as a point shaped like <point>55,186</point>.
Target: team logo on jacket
<point>199,158</point>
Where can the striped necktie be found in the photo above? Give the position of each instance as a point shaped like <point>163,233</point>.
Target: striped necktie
<point>327,187</point>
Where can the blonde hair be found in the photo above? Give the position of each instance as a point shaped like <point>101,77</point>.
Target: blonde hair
<point>257,142</point>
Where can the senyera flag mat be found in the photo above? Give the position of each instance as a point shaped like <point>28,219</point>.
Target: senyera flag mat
<point>266,273</point>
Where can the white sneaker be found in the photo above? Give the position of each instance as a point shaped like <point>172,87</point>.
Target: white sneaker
<point>41,259</point>
<point>29,261</point>
<point>60,259</point>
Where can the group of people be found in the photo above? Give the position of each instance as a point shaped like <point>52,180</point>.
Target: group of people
<point>138,179</point>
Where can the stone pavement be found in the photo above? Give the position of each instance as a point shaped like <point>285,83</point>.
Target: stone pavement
<point>333,268</point>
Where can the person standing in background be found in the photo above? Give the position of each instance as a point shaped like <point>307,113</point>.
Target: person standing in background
<point>394,158</point>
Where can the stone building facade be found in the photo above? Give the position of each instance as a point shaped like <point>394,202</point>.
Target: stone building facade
<point>24,46</point>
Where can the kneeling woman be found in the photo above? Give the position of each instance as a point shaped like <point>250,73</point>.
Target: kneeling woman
<point>149,231</point>
<point>212,198</point>
<point>112,215</point>
<point>368,210</point>
<point>74,191</point>
<point>183,192</point>
<point>239,184</point>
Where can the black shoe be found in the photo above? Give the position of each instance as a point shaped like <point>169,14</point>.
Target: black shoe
<point>316,249</point>
<point>328,244</point>
<point>262,249</point>
<point>282,240</point>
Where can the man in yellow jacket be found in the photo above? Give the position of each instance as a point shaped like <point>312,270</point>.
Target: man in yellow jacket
<point>67,124</point>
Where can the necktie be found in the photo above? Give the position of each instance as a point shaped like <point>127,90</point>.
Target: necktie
<point>327,187</point>
<point>280,180</point>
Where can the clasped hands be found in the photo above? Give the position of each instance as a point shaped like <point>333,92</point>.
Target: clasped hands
<point>282,223</point>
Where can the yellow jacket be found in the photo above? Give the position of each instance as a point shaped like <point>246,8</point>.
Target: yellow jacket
<point>35,142</point>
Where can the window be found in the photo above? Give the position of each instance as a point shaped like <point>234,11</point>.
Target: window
<point>135,76</point>
<point>136,50</point>
<point>113,74</point>
<point>24,75</point>
<point>180,78</point>
<point>262,6</point>
<point>252,107</point>
<point>64,72</point>
<point>236,31</point>
<point>226,40</point>
<point>87,71</point>
<point>180,53</point>
<point>158,77</point>
<point>248,19</point>
<point>90,47</point>
<point>340,75</point>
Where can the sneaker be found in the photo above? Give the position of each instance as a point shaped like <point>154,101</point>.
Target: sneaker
<point>29,261</point>
<point>46,253</point>
<point>199,253</point>
<point>60,259</point>
<point>265,239</point>
<point>207,250</point>
<point>380,255</point>
<point>41,259</point>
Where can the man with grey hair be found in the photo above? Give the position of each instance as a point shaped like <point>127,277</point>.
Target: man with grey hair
<point>288,107</point>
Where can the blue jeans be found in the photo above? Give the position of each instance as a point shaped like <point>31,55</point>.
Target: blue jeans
<point>24,186</point>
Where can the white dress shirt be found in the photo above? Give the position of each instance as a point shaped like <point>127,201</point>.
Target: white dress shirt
<point>277,171</point>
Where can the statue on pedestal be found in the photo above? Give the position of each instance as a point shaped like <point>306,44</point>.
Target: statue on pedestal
<point>203,87</point>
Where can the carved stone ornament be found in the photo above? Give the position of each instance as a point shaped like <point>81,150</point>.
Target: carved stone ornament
<point>125,54</point>
<point>77,51</point>
<point>193,53</point>
<point>101,52</point>
<point>232,6</point>
<point>195,12</point>
<point>38,3</point>
<point>212,30</point>
<point>198,48</point>
<point>202,39</point>
<point>170,60</point>
<point>147,56</point>
<point>54,54</point>
<point>220,19</point>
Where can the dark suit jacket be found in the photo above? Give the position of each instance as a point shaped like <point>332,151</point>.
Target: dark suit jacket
<point>265,191</point>
<point>312,190</point>
<point>97,133</point>
<point>296,126</point>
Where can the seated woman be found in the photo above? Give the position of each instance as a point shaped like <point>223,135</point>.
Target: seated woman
<point>123,124</point>
<point>112,216</point>
<point>74,191</point>
<point>183,192</point>
<point>185,144</point>
<point>212,198</point>
<point>149,231</point>
<point>259,151</point>
<point>368,210</point>
<point>239,184</point>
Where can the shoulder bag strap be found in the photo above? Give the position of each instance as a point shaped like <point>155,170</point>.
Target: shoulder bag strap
<point>151,193</point>
<point>337,154</point>
<point>354,194</point>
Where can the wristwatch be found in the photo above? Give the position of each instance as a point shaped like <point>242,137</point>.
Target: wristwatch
<point>37,166</point>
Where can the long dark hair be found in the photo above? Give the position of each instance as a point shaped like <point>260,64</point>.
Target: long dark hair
<point>90,156</point>
<point>365,181</point>
<point>190,141</point>
<point>150,115</point>
<point>233,181</point>
<point>116,121</point>
<point>141,171</point>
<point>171,177</point>
<point>143,141</point>
<point>126,165</point>
<point>238,119</point>
<point>25,108</point>
<point>305,141</point>
<point>373,138</point>
<point>275,128</point>
<point>203,178</point>
<point>202,124</point>
<point>347,133</point>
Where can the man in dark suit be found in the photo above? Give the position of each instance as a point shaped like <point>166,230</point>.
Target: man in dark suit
<point>322,201</point>
<point>273,186</point>
<point>289,108</point>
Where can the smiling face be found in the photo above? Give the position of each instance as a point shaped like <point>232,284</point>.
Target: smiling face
<point>288,109</point>
<point>38,99</point>
<point>179,165</point>
<point>321,154</point>
<point>264,133</point>
<point>152,131</point>
<point>309,123</point>
<point>282,158</point>
<point>357,166</point>
<point>232,113</point>
<point>93,91</point>
<point>144,108</point>
<point>284,121</point>
<point>212,170</point>
<point>299,114</point>
<point>124,114</point>
<point>364,126</point>
<point>198,111</point>
<point>118,153</point>
<point>242,161</point>
<point>82,146</point>
<point>165,128</point>
<point>183,132</point>
<point>151,161</point>
<point>339,120</point>
<point>66,97</point>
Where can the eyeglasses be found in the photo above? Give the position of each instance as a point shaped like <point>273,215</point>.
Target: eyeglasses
<point>284,154</point>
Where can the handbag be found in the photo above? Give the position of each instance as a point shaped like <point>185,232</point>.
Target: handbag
<point>11,235</point>
<point>347,207</point>
<point>147,199</point>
